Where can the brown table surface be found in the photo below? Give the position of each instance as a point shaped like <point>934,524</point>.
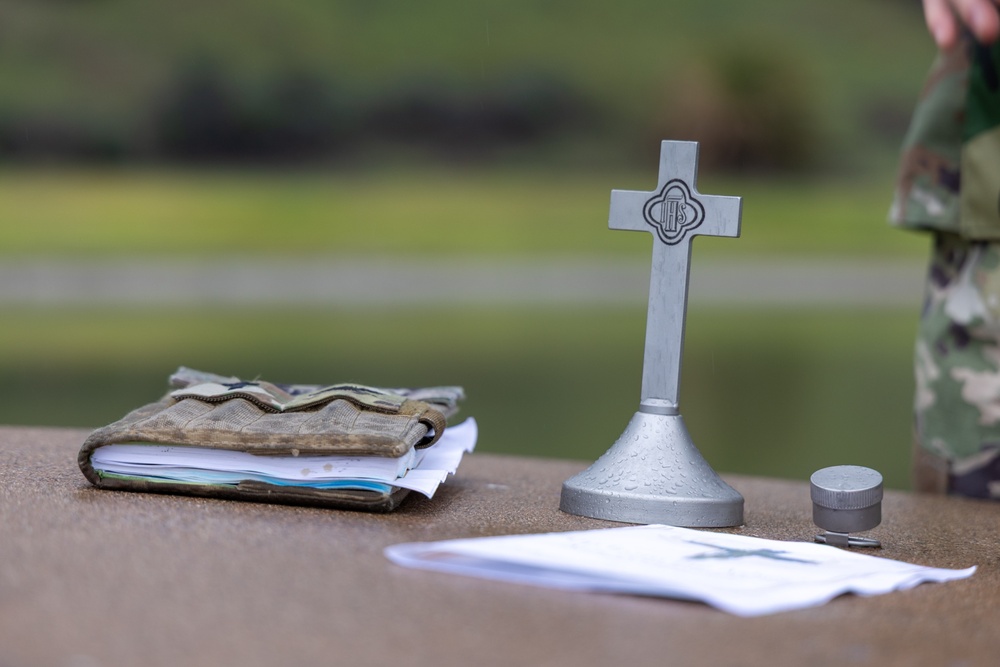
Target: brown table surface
<point>90,577</point>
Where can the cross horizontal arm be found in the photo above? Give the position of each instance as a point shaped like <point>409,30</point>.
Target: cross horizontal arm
<point>626,211</point>
<point>722,216</point>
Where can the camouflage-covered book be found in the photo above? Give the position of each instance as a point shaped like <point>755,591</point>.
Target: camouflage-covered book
<point>345,446</point>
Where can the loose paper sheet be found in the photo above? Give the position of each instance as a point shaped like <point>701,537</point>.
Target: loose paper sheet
<point>746,576</point>
<point>422,470</point>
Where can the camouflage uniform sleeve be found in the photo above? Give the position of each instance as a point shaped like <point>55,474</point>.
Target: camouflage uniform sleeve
<point>949,175</point>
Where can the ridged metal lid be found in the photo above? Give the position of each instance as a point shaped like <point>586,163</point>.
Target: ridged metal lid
<point>846,487</point>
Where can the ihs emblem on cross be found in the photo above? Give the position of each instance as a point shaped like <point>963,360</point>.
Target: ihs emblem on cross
<point>673,212</point>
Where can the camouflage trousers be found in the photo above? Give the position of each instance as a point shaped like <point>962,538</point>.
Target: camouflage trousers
<point>957,364</point>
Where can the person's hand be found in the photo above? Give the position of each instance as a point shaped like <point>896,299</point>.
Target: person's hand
<point>946,17</point>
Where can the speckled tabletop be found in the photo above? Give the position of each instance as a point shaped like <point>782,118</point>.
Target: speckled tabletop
<point>90,578</point>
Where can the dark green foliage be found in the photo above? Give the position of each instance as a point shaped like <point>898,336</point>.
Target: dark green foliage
<point>206,116</point>
<point>750,109</point>
<point>784,85</point>
<point>526,109</point>
<point>60,137</point>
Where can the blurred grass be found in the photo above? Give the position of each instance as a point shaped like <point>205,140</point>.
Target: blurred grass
<point>773,393</point>
<point>420,212</point>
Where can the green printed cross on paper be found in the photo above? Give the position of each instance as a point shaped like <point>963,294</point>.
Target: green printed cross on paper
<point>728,552</point>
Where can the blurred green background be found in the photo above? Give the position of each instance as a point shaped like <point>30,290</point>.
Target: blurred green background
<point>375,129</point>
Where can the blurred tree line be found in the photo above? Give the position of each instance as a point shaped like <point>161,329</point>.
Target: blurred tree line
<point>207,114</point>
<point>748,112</point>
<point>299,116</point>
<point>754,103</point>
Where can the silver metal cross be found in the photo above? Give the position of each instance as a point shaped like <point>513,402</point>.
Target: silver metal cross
<point>654,473</point>
<point>674,213</point>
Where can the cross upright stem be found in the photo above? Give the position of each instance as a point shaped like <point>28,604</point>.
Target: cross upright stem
<point>665,315</point>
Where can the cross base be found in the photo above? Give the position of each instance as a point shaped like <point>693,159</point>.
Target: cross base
<point>653,474</point>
